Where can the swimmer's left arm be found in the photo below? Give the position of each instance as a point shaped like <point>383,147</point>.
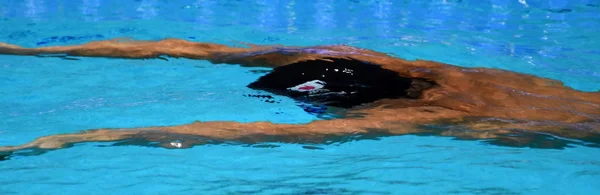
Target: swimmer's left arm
<point>190,133</point>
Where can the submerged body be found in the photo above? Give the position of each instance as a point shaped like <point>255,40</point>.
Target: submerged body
<point>372,92</point>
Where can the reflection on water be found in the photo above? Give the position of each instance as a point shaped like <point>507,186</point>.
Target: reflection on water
<point>543,22</point>
<point>204,15</point>
<point>34,8</point>
<point>324,15</point>
<point>267,15</point>
<point>383,13</point>
<point>147,9</point>
<point>89,10</point>
<point>291,17</point>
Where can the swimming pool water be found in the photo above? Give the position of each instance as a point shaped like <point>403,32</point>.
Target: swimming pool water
<point>43,96</point>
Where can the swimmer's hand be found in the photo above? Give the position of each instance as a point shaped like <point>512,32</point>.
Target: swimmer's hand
<point>9,46</point>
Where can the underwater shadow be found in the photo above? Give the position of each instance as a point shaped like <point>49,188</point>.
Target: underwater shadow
<point>516,138</point>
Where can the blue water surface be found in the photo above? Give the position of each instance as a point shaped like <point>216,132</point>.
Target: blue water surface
<point>555,39</point>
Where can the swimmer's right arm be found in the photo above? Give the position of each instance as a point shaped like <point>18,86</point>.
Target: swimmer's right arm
<point>133,49</point>
<point>121,48</point>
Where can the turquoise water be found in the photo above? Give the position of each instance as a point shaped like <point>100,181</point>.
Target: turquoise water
<point>44,96</point>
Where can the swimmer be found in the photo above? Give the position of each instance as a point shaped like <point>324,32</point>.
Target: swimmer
<point>371,92</point>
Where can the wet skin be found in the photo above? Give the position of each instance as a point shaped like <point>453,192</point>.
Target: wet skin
<point>473,103</point>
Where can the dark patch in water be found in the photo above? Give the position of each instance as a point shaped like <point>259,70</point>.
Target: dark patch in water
<point>259,96</point>
<point>27,152</point>
<point>312,108</point>
<point>61,56</point>
<point>313,148</point>
<point>264,98</point>
<point>559,10</point>
<point>21,34</point>
<point>271,39</point>
<point>162,58</point>
<point>125,30</point>
<point>69,58</point>
<point>260,71</point>
<point>4,157</point>
<point>65,39</point>
<point>135,142</point>
<point>592,5</point>
<point>265,146</point>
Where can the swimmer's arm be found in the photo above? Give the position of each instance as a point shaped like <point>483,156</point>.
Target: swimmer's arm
<point>184,136</point>
<point>119,49</point>
<point>132,49</point>
<point>189,134</point>
<point>192,134</point>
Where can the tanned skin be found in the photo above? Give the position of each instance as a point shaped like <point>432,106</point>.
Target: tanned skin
<point>467,102</point>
